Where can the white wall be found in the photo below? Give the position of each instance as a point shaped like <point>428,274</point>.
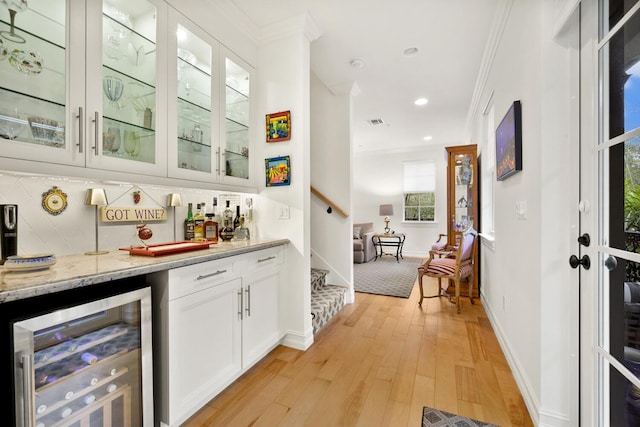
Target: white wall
<point>378,179</point>
<point>525,284</point>
<point>284,85</point>
<point>332,243</point>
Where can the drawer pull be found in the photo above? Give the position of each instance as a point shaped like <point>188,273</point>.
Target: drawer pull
<point>267,259</point>
<point>204,276</point>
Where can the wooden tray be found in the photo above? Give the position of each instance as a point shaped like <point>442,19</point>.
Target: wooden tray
<point>159,249</point>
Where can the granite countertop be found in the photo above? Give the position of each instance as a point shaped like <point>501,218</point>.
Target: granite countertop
<point>74,271</point>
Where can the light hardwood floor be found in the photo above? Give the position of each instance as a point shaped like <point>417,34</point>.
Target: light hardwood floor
<point>377,364</point>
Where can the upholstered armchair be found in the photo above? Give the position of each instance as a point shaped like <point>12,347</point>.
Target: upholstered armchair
<point>363,249</point>
<point>454,266</point>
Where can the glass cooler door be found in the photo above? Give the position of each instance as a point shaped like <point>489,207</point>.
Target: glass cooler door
<point>87,365</point>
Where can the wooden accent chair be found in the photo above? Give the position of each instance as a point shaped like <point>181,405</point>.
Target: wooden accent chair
<point>455,265</point>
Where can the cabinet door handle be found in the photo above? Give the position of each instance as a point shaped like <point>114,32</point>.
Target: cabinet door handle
<point>248,309</point>
<point>240,303</point>
<point>96,133</point>
<point>204,276</point>
<point>218,160</point>
<point>27,388</point>
<point>267,259</point>
<point>80,118</point>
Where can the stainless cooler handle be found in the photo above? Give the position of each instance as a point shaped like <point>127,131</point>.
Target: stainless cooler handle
<point>27,383</point>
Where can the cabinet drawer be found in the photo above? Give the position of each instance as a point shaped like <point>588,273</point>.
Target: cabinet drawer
<point>261,260</point>
<point>193,278</point>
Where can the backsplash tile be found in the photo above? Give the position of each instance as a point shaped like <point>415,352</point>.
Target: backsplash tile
<point>73,230</point>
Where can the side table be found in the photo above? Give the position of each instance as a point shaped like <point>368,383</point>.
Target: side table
<point>395,240</point>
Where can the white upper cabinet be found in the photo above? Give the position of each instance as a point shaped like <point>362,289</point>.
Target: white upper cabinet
<point>193,102</point>
<point>132,87</point>
<point>236,94</point>
<point>209,108</point>
<point>126,91</point>
<point>36,66</point>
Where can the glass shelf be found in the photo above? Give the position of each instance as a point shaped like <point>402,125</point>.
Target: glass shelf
<point>30,119</point>
<point>128,141</point>
<point>194,156</point>
<point>136,97</point>
<point>129,51</point>
<point>45,78</point>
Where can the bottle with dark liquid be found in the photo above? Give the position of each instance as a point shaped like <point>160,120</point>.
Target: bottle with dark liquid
<point>236,219</point>
<point>189,224</point>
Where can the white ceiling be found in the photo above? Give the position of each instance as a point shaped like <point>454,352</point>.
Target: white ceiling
<point>450,34</point>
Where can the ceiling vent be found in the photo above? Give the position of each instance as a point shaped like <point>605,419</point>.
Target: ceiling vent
<point>375,122</point>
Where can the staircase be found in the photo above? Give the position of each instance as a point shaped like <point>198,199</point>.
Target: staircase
<point>326,300</point>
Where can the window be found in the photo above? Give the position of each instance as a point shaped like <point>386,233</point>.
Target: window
<point>419,191</point>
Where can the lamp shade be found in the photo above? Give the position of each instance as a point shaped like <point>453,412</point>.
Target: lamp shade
<point>386,210</point>
<point>174,199</point>
<point>96,197</point>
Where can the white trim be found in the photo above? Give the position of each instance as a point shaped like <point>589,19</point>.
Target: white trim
<point>619,25</point>
<point>519,374</point>
<point>298,341</point>
<point>493,41</point>
<point>488,240</point>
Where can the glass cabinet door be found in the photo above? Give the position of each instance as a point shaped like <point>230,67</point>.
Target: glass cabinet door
<point>193,133</point>
<point>124,136</point>
<point>236,132</point>
<point>194,102</point>
<point>33,80</point>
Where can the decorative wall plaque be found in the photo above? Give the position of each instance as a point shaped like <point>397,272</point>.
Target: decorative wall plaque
<point>54,201</point>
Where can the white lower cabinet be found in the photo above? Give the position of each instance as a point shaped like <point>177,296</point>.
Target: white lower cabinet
<point>213,321</point>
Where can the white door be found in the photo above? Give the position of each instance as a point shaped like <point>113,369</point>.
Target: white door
<point>610,213</point>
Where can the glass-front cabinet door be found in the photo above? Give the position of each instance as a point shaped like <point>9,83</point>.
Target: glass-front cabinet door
<point>124,124</point>
<point>35,113</point>
<point>193,134</point>
<point>235,132</point>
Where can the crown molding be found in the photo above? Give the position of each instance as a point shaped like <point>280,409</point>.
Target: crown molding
<point>233,13</point>
<point>497,29</point>
<point>295,25</point>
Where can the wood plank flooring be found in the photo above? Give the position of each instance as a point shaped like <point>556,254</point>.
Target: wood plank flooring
<point>377,364</point>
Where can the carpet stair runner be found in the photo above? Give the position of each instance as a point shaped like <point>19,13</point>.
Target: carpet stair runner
<point>326,300</point>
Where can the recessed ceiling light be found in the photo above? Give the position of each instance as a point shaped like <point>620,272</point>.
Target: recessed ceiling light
<point>410,51</point>
<point>357,63</point>
<point>421,101</point>
<point>428,138</point>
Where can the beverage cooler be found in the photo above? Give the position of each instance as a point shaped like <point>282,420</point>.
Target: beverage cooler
<point>85,365</point>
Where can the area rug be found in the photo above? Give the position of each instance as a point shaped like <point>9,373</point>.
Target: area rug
<point>386,276</point>
<point>435,418</point>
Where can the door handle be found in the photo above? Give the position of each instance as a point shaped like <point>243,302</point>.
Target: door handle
<point>585,261</point>
<point>611,263</point>
<point>585,240</point>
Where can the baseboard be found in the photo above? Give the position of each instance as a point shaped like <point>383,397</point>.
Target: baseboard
<point>298,341</point>
<point>527,391</point>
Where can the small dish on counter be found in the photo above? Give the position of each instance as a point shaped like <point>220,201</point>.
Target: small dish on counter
<point>29,262</point>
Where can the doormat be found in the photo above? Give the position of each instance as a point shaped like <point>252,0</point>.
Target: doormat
<point>435,418</point>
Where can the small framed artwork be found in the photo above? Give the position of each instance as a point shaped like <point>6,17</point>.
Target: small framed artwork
<point>279,126</point>
<point>509,143</point>
<point>277,171</point>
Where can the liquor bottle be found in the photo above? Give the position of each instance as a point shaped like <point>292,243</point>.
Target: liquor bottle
<point>236,220</point>
<point>189,224</point>
<point>211,228</point>
<point>226,233</point>
<point>198,221</point>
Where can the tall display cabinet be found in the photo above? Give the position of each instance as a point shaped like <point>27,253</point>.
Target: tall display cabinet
<point>463,198</point>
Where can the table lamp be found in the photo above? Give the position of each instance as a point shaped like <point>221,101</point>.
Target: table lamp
<point>173,200</point>
<point>386,210</point>
<point>96,197</point>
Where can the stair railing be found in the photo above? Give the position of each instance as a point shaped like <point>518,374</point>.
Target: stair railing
<point>328,201</point>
